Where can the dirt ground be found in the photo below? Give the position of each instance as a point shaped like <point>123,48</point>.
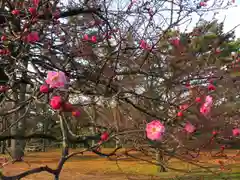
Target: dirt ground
<point>69,173</point>
<point>82,167</point>
<point>88,167</point>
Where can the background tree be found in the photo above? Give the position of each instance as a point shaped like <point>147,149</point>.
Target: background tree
<point>125,53</point>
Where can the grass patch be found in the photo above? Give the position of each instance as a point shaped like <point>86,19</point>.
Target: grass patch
<point>227,176</point>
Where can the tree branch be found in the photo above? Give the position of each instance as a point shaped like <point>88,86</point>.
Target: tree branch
<point>71,12</point>
<point>26,173</point>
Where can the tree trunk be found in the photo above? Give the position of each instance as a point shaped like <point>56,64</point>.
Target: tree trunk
<point>16,152</point>
<point>74,128</point>
<point>117,121</point>
<point>3,146</point>
<point>117,142</point>
<point>160,160</point>
<point>3,143</point>
<point>93,120</point>
<point>45,129</point>
<point>18,146</point>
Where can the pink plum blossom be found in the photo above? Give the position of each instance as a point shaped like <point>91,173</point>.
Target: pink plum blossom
<point>207,105</point>
<point>183,107</point>
<point>85,37</point>
<point>32,37</point>
<point>189,128</point>
<point>175,42</point>
<point>236,132</point>
<point>56,79</point>
<point>15,12</point>
<point>57,14</point>
<point>205,110</point>
<point>32,11</point>
<point>144,45</point>
<point>104,136</point>
<point>155,130</point>
<point>211,87</point>
<point>94,39</point>
<point>203,3</point>
<point>209,100</point>
<point>197,99</point>
<point>36,2</point>
<point>76,113</point>
<point>56,102</point>
<point>44,88</point>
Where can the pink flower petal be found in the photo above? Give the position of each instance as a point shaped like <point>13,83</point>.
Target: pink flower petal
<point>56,79</point>
<point>190,128</point>
<point>155,130</point>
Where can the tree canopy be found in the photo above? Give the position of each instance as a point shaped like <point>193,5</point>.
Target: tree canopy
<point>111,70</point>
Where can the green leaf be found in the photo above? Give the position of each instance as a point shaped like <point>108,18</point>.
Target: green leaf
<point>197,133</point>
<point>214,83</point>
<point>154,143</point>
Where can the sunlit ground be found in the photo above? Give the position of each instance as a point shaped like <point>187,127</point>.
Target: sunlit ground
<point>90,166</point>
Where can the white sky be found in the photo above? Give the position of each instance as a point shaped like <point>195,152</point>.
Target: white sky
<point>231,17</point>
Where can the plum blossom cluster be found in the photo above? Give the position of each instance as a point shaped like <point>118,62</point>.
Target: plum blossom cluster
<point>189,128</point>
<point>174,41</point>
<point>3,88</point>
<point>203,3</point>
<point>32,10</point>
<point>236,131</point>
<point>93,39</point>
<point>32,37</point>
<point>144,45</point>
<point>208,102</point>
<point>207,105</point>
<point>56,80</point>
<point>155,129</point>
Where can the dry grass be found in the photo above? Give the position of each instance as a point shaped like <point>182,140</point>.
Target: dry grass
<point>90,166</point>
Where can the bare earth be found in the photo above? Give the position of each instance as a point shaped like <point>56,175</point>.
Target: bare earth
<point>82,167</point>
<point>92,167</point>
